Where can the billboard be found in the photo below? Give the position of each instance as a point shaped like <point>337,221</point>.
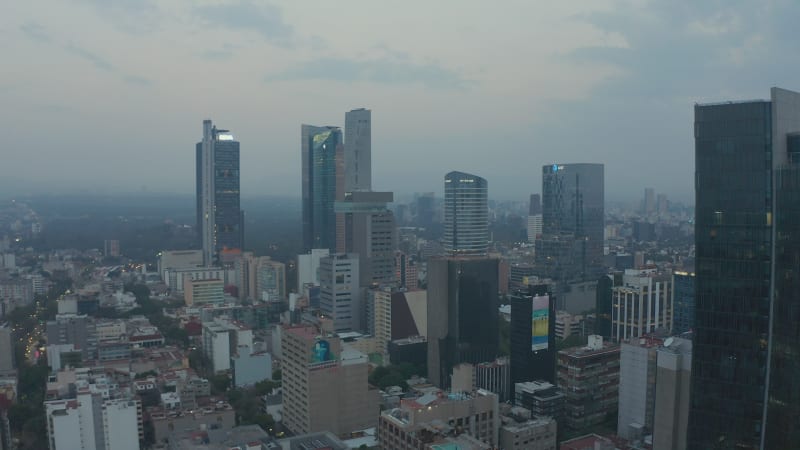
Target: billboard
<point>540,322</point>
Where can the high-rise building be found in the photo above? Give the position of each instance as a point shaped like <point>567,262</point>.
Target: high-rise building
<point>682,302</point>
<point>533,346</point>
<point>358,150</point>
<point>219,217</point>
<point>405,271</point>
<point>321,151</point>
<point>641,305</point>
<point>637,387</point>
<point>202,292</point>
<point>747,303</point>
<point>466,214</point>
<point>673,377</point>
<point>369,232</point>
<point>589,378</point>
<point>7,365</point>
<point>308,267</point>
<point>325,385</point>
<point>462,312</point>
<point>573,222</point>
<point>535,217</point>
<point>340,292</point>
<point>426,209</point>
<point>649,203</point>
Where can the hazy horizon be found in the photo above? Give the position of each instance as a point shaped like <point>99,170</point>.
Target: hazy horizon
<point>110,95</point>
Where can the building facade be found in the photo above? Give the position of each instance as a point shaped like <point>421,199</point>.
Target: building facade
<point>682,302</point>
<point>466,214</point>
<point>642,305</point>
<point>219,216</point>
<point>533,347</point>
<point>573,222</point>
<point>746,313</point>
<point>637,387</point>
<point>340,292</point>
<point>673,379</point>
<point>463,299</point>
<point>589,378</point>
<point>319,149</point>
<point>358,150</point>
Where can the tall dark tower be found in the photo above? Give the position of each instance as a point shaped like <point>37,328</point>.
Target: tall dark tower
<point>745,388</point>
<point>219,217</point>
<point>573,222</point>
<point>533,328</point>
<point>320,149</point>
<point>462,314</point>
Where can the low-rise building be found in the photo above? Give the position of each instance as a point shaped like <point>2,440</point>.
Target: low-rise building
<point>521,431</point>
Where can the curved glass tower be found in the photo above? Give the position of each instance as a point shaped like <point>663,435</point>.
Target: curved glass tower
<point>466,214</point>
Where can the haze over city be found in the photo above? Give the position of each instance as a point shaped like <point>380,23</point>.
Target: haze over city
<point>112,94</point>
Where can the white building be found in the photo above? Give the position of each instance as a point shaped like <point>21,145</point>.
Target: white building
<point>642,305</point>
<point>308,267</point>
<point>75,424</point>
<point>637,387</point>
<point>221,339</point>
<point>178,259</point>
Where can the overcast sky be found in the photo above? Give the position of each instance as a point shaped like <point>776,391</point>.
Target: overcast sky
<point>109,95</point>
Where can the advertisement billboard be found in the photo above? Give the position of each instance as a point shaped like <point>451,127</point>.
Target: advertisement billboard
<point>540,322</point>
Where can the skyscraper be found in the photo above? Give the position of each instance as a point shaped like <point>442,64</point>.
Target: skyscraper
<point>219,217</point>
<point>369,231</point>
<point>533,347</point>
<point>466,214</point>
<point>319,149</point>
<point>358,150</point>
<point>462,313</point>
<point>745,389</point>
<point>572,222</point>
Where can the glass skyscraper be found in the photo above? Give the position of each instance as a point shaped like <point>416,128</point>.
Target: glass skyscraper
<point>321,154</point>
<point>219,217</point>
<point>466,214</point>
<point>745,388</point>
<point>573,222</point>
<point>682,302</point>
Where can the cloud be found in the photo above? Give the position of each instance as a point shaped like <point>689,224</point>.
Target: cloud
<point>96,60</point>
<point>137,80</point>
<point>36,33</point>
<point>382,70</point>
<point>223,53</point>
<point>130,16</point>
<point>245,15</point>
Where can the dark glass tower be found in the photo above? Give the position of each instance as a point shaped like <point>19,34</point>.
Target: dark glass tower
<point>319,165</point>
<point>466,214</point>
<point>532,360</point>
<point>462,314</point>
<point>219,217</point>
<point>573,222</point>
<point>682,302</point>
<point>746,332</point>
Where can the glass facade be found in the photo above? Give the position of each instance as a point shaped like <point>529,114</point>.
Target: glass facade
<point>573,221</point>
<point>745,388</point>
<point>463,293</point>
<point>528,364</point>
<point>733,163</point>
<point>226,230</point>
<point>466,214</point>
<point>783,404</point>
<point>319,165</point>
<point>683,302</point>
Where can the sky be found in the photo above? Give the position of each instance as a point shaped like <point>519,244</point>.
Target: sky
<point>110,95</point>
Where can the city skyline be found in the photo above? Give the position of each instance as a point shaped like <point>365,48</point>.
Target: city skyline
<point>554,82</point>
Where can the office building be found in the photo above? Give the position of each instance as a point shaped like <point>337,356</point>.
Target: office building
<point>340,292</point>
<point>494,376</point>
<point>250,367</point>
<point>111,248</point>
<point>369,232</point>
<point>673,378</point>
<point>421,421</point>
<point>535,218</point>
<point>426,210</point>
<point>222,339</point>
<point>744,373</point>
<point>682,302</point>
<point>405,271</point>
<point>219,217</point>
<point>649,202</point>
<point>325,385</point>
<point>178,259</point>
<point>642,305</point>
<point>589,378</point>
<point>466,214</point>
<point>358,150</point>
<point>532,341</point>
<point>573,222</point>
<point>462,297</point>
<point>202,292</point>
<point>268,280</point>
<point>308,267</point>
<point>637,387</point>
<point>321,154</point>
<point>398,315</point>
<point>78,330</point>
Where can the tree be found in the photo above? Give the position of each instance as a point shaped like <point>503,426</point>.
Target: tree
<point>220,383</point>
